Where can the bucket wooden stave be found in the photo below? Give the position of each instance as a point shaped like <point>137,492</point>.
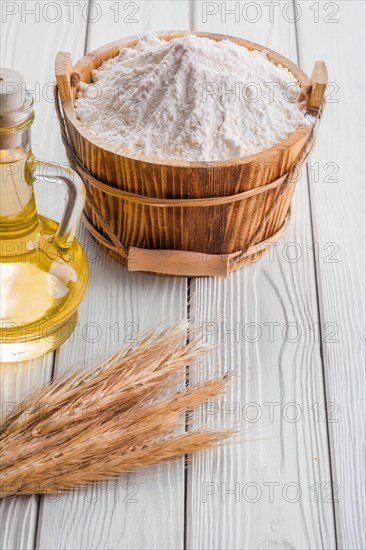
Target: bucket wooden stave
<point>218,229</point>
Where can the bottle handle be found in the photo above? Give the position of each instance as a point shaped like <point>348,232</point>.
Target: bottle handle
<point>76,196</point>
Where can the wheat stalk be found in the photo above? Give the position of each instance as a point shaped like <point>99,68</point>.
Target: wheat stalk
<point>120,416</point>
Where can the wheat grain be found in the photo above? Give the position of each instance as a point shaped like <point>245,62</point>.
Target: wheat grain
<point>125,414</point>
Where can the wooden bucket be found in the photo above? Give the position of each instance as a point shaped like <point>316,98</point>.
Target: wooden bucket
<point>183,218</point>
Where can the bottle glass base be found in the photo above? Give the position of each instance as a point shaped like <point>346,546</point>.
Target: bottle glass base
<point>25,350</point>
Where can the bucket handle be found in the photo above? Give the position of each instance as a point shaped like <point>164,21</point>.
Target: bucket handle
<point>64,76</point>
<point>318,85</point>
<point>195,264</point>
<point>181,263</point>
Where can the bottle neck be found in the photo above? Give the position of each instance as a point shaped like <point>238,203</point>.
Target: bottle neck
<point>18,216</point>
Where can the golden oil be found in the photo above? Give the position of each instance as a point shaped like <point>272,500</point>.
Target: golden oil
<point>43,268</point>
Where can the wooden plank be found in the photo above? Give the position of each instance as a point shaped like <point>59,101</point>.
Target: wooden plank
<point>18,516</point>
<point>143,510</point>
<point>28,44</point>
<point>335,32</point>
<point>32,34</point>
<point>129,512</point>
<point>120,18</point>
<point>269,490</point>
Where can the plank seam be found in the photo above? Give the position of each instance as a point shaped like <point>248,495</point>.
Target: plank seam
<point>321,334</point>
<point>86,42</point>
<point>56,353</point>
<point>191,15</point>
<point>190,280</point>
<point>316,276</point>
<point>186,458</point>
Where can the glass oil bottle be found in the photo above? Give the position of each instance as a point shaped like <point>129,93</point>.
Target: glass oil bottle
<point>43,268</point>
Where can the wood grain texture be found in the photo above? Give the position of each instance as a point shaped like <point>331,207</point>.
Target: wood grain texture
<point>22,34</point>
<point>126,513</point>
<point>18,516</point>
<point>270,372</point>
<point>276,453</point>
<point>29,44</point>
<point>337,184</point>
<point>133,512</point>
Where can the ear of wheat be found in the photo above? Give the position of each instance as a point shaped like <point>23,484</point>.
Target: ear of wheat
<point>120,416</point>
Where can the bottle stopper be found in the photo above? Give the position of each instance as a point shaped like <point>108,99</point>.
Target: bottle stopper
<point>16,108</point>
<point>12,91</point>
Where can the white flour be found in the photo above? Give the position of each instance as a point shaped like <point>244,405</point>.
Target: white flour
<point>191,98</point>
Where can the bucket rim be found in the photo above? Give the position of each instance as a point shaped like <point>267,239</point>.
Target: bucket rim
<point>83,68</point>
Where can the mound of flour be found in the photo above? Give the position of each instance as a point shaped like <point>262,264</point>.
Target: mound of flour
<point>191,98</point>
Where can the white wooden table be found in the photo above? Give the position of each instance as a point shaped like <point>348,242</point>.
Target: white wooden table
<point>292,324</point>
